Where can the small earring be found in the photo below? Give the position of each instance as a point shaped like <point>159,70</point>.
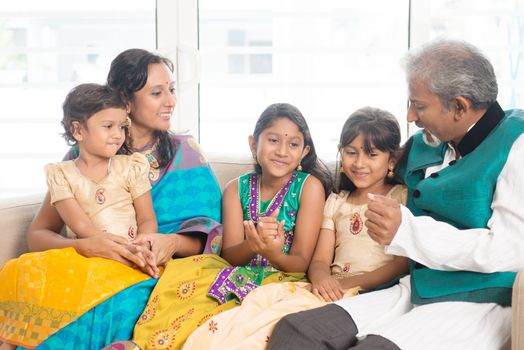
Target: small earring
<point>299,167</point>
<point>391,173</point>
<point>341,170</point>
<point>254,161</point>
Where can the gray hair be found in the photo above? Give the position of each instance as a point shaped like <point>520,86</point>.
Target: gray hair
<point>454,68</point>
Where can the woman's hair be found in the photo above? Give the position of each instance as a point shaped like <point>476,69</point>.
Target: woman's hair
<point>310,163</point>
<point>85,100</point>
<point>128,74</point>
<point>454,68</point>
<point>380,130</point>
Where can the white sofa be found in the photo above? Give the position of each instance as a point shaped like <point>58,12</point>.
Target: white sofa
<point>17,213</point>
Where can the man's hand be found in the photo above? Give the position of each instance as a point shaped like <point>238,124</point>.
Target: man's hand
<point>383,218</point>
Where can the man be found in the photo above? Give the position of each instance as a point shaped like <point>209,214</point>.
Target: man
<point>464,230</point>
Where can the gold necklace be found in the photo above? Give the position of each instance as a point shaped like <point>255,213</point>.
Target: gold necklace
<point>154,165</point>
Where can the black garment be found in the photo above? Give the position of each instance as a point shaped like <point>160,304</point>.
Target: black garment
<point>326,328</point>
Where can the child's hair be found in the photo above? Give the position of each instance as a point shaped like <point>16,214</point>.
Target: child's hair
<point>380,130</point>
<point>83,101</point>
<point>310,164</point>
<point>128,74</point>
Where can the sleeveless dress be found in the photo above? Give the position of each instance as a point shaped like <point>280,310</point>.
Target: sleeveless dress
<point>195,288</point>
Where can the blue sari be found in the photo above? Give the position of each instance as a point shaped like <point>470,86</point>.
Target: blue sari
<point>186,199</point>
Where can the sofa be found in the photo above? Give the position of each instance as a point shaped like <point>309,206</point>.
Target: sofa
<point>16,215</point>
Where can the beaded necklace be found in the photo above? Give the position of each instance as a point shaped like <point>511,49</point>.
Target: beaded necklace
<point>154,165</point>
<point>276,201</point>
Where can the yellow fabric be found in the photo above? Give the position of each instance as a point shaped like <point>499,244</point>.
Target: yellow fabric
<point>179,302</point>
<point>109,202</point>
<point>250,325</point>
<point>45,291</point>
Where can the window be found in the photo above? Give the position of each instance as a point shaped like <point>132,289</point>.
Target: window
<point>233,58</point>
<point>326,58</point>
<point>46,48</point>
<point>330,58</point>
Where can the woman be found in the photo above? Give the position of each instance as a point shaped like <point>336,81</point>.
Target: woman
<point>186,199</point>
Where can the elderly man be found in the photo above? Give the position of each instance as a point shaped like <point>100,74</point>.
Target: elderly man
<point>464,230</point>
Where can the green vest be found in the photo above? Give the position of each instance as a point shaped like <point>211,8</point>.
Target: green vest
<point>461,195</point>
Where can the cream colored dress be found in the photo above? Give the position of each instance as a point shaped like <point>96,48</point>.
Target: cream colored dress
<point>355,251</point>
<point>109,202</point>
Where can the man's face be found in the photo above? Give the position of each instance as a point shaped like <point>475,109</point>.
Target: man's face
<point>427,111</point>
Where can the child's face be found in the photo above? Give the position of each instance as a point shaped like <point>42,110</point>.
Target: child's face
<point>279,148</point>
<point>103,134</point>
<point>153,105</point>
<point>367,171</point>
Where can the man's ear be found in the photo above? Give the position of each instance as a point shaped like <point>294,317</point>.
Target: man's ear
<point>462,107</point>
<point>252,145</point>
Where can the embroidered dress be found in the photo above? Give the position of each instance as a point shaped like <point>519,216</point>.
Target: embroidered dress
<point>180,301</point>
<point>109,202</point>
<point>250,325</point>
<point>186,198</point>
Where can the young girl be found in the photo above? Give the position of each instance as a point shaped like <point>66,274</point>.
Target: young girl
<point>271,221</point>
<point>346,259</point>
<point>102,192</point>
<point>104,189</point>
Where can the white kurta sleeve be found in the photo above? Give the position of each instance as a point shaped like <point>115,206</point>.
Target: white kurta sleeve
<point>500,247</point>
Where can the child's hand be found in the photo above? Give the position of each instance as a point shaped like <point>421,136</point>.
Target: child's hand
<point>328,289</point>
<point>267,238</point>
<point>272,234</point>
<point>256,245</point>
<point>144,249</point>
<point>109,246</point>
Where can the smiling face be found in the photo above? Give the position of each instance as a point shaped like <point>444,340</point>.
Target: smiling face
<point>427,112</point>
<point>367,171</point>
<point>279,148</point>
<point>103,134</point>
<point>152,106</point>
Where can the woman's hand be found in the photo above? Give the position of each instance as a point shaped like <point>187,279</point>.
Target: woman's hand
<point>110,246</point>
<point>328,289</point>
<point>163,246</point>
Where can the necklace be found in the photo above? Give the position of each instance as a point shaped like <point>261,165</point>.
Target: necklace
<point>154,165</point>
<point>276,201</point>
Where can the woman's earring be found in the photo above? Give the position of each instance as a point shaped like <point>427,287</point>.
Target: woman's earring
<point>391,173</point>
<point>341,170</point>
<point>299,167</point>
<point>254,161</point>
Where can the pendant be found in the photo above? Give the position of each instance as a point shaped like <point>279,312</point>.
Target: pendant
<point>154,174</point>
<point>99,196</point>
<point>355,223</point>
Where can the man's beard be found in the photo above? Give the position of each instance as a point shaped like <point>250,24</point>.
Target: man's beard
<point>430,139</point>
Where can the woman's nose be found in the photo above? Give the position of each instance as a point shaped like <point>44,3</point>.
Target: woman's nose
<point>171,100</point>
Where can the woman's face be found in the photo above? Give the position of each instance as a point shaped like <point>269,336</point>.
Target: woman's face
<point>152,106</point>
